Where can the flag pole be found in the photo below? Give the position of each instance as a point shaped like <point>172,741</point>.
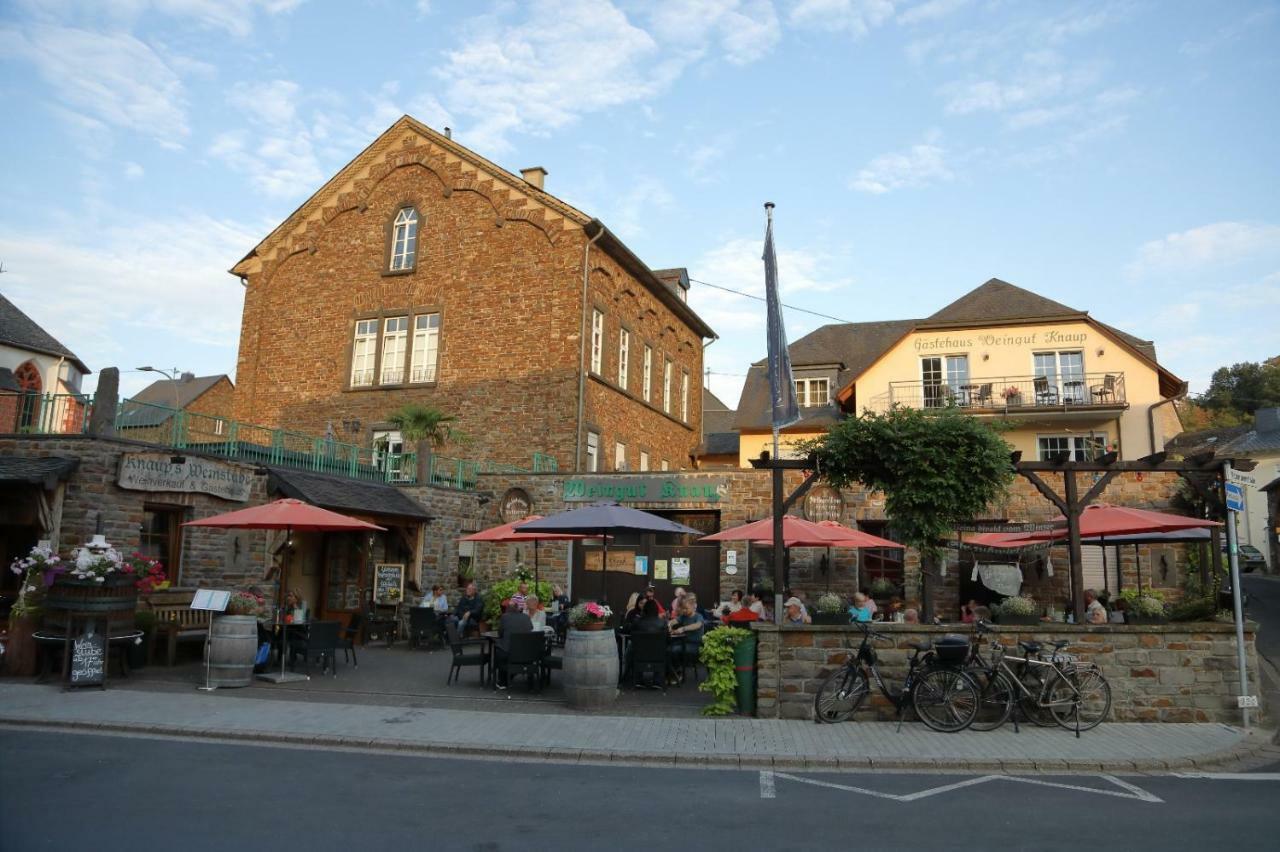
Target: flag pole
<point>779,552</point>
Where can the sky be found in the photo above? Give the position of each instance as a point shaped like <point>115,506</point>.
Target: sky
<point>1121,157</point>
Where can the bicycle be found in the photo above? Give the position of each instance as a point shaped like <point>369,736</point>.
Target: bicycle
<point>1057,691</point>
<point>943,696</point>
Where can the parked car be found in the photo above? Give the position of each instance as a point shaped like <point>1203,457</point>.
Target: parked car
<point>1249,557</point>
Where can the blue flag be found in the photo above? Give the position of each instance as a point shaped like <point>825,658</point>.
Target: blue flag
<point>782,389</point>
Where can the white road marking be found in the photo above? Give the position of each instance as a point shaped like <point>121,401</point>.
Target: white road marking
<point>1231,776</point>
<point>766,784</point>
<point>1128,791</point>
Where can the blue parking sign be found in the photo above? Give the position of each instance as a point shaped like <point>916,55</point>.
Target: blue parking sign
<point>1235,497</point>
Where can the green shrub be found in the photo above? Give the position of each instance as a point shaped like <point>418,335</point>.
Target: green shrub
<point>882,587</point>
<point>1018,605</point>
<point>1194,609</point>
<point>504,589</point>
<point>831,604</point>
<point>722,680</point>
<point>1147,602</point>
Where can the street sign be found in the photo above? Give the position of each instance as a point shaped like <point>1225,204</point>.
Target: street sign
<point>1235,497</point>
<point>1242,478</point>
<point>1246,701</point>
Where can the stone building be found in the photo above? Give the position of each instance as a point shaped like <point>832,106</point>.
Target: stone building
<point>424,273</point>
<point>205,402</point>
<point>39,377</point>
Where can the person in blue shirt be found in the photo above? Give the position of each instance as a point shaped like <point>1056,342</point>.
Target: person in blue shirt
<point>860,611</point>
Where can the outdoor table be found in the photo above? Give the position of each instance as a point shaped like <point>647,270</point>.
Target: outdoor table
<point>966,394</point>
<point>1073,392</point>
<point>387,625</point>
<point>45,641</point>
<point>491,639</point>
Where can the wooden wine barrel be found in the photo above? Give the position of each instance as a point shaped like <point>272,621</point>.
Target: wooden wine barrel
<point>114,601</point>
<point>233,644</point>
<point>591,668</point>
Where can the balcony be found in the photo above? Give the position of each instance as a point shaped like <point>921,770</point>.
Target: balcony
<point>1012,396</point>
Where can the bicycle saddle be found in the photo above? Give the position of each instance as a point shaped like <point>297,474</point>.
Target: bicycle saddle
<point>1060,644</point>
<point>1030,647</point>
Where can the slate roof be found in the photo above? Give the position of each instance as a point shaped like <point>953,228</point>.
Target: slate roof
<point>716,416</point>
<point>1190,443</point>
<point>720,444</point>
<point>188,389</point>
<point>998,301</point>
<point>47,471</point>
<point>345,495</point>
<point>1264,437</point>
<point>22,332</point>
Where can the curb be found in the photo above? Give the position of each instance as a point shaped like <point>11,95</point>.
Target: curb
<point>1256,746</point>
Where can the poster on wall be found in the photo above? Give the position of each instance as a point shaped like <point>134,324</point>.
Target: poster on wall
<point>680,571</point>
<point>659,569</point>
<point>642,566</point>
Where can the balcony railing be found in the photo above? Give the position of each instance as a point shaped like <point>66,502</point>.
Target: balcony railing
<point>45,413</point>
<point>1009,394</point>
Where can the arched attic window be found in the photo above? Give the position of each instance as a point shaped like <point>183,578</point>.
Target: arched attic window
<point>404,239</point>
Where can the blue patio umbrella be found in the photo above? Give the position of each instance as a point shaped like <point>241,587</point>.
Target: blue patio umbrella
<point>602,519</point>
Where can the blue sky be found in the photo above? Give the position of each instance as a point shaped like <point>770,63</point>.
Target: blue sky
<point>1118,157</point>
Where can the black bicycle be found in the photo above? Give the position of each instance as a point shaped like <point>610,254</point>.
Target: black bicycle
<point>941,693</point>
<point>1056,691</point>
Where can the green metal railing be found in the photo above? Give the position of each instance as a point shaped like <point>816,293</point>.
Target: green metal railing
<point>45,413</point>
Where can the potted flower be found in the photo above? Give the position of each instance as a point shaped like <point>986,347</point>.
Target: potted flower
<point>830,609</point>
<point>1012,395</point>
<point>1017,609</point>
<point>883,587</point>
<point>1143,606</point>
<point>148,574</point>
<point>589,616</point>
<point>37,570</point>
<point>95,580</point>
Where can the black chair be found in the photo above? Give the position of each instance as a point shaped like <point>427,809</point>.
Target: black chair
<point>549,660</point>
<point>347,639</point>
<point>321,643</point>
<point>685,654</point>
<point>649,661</point>
<point>524,656</point>
<point>982,399</point>
<point>422,626</point>
<point>460,657</point>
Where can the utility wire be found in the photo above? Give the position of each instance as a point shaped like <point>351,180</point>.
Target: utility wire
<point>761,299</point>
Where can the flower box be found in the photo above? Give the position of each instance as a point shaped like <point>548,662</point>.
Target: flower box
<point>1002,618</point>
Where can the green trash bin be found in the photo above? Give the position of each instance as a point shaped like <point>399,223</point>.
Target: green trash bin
<point>744,666</point>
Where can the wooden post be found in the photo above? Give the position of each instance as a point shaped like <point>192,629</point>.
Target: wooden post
<point>1074,507</point>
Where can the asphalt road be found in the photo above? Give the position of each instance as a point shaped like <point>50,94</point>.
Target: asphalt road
<point>1264,608</point>
<point>81,791</point>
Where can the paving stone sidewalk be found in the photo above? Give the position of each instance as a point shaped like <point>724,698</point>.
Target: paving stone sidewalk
<point>749,743</point>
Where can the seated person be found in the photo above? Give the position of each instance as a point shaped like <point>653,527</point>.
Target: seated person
<point>795,614</point>
<point>735,602</point>
<point>911,616</point>
<point>981,613</point>
<point>757,605</point>
<point>537,615</point>
<point>633,613</point>
<point>437,600</point>
<point>466,615</point>
<point>512,621</point>
<point>650,594</point>
<point>686,632</point>
<point>745,613</point>
<point>1094,612</point>
<point>860,611</point>
<point>650,621</point>
<point>522,594</point>
<point>676,609</point>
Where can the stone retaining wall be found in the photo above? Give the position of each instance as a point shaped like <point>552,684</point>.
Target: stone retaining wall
<point>1158,673</point>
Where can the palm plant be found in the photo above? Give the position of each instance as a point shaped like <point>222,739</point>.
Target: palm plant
<point>418,423</point>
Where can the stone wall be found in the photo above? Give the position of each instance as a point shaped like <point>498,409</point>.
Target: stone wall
<point>1158,673</point>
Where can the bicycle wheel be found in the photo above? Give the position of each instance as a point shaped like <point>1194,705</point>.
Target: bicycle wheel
<point>1032,701</point>
<point>995,699</point>
<point>1091,694</point>
<point>945,699</point>
<point>841,694</point>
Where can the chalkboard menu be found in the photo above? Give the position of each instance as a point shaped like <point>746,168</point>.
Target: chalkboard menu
<point>88,660</point>
<point>388,583</point>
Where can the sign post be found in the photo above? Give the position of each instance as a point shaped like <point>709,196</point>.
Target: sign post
<point>1235,503</point>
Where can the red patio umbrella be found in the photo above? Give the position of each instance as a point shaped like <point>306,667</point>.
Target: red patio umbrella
<point>291,516</point>
<point>508,534</point>
<point>849,537</point>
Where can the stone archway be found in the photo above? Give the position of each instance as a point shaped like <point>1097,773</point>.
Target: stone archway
<point>27,375</point>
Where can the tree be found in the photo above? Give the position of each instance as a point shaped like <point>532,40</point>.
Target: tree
<point>1244,387</point>
<point>935,469</point>
<point>417,423</point>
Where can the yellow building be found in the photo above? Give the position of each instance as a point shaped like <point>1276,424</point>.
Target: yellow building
<point>1063,380</point>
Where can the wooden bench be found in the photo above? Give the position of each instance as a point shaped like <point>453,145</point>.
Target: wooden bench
<point>176,621</point>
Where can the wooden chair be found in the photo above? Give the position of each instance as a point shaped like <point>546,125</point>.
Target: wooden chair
<point>1046,394</point>
<point>1104,391</point>
<point>982,398</point>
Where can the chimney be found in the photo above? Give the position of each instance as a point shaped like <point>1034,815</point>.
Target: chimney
<point>448,133</point>
<point>187,377</point>
<point>534,176</point>
<point>1266,420</point>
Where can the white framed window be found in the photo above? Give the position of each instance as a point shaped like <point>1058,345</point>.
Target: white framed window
<point>593,452</point>
<point>666,465</point>
<point>1065,373</point>
<point>644,460</point>
<point>624,357</point>
<point>942,378</point>
<point>395,333</point>
<point>647,380</point>
<point>684,396</point>
<point>363,350</point>
<point>219,425</point>
<point>404,239</point>
<point>597,341</point>
<point>426,348</point>
<point>666,385</point>
<point>619,456</point>
<point>388,452</point>
<point>812,392</point>
<point>1081,447</point>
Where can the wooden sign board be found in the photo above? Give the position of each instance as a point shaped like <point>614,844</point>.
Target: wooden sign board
<point>620,561</point>
<point>88,665</point>
<point>388,578</point>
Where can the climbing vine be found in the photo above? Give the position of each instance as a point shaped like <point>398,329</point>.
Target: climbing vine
<point>722,681</point>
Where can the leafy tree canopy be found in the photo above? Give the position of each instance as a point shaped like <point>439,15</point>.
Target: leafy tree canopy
<point>1244,387</point>
<point>936,469</point>
<point>422,423</point>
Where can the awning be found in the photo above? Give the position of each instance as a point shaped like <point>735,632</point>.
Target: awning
<point>352,496</point>
<point>46,472</point>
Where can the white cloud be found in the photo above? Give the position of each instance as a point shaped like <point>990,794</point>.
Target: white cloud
<point>133,171</point>
<point>235,17</point>
<point>918,165</point>
<point>109,76</point>
<point>1218,244</point>
<point>930,10</point>
<point>138,290</point>
<point>1041,78</point>
<point>279,154</point>
<point>745,31</point>
<point>644,198</point>
<point>857,17</point>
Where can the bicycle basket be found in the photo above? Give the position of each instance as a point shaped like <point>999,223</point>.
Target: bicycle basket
<point>952,649</point>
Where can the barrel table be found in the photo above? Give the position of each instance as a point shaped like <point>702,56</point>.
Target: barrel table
<point>233,645</point>
<point>591,668</point>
